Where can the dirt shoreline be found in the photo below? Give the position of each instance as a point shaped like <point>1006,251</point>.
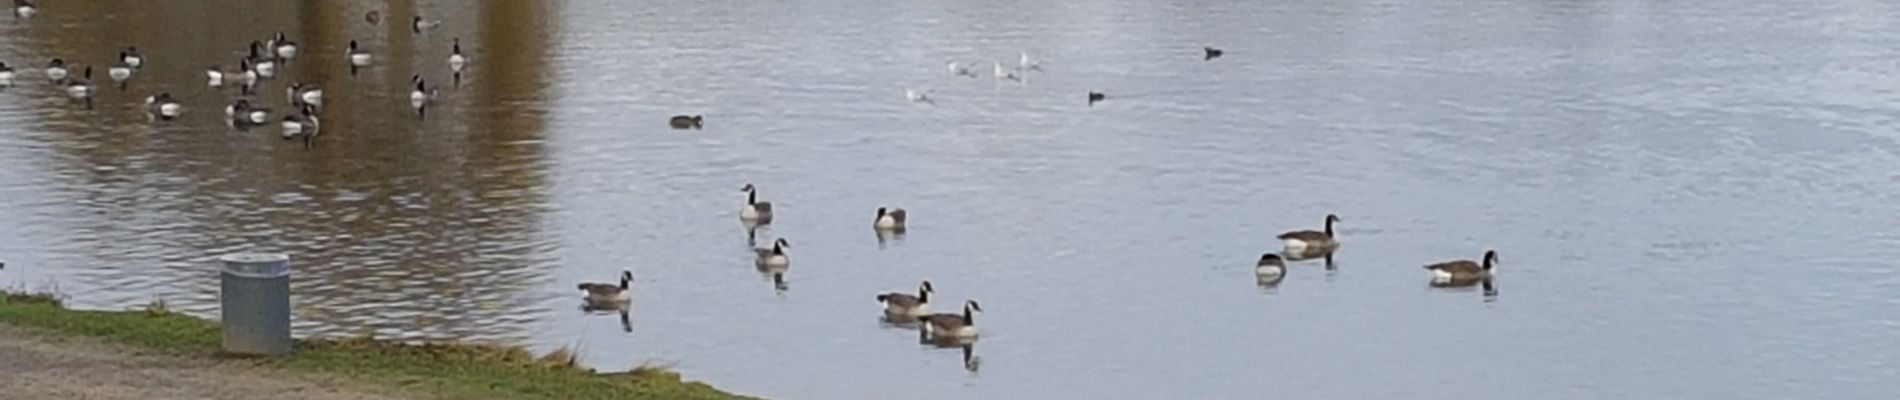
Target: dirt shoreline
<point>35,365</point>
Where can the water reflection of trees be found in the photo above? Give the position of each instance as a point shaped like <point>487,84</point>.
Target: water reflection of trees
<point>408,227</point>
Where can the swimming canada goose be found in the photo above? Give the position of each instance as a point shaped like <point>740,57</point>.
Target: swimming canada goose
<point>358,57</point>
<point>163,106</point>
<point>120,72</point>
<point>1004,74</point>
<point>56,70</point>
<point>420,25</point>
<point>1095,97</point>
<point>773,258</point>
<point>132,57</point>
<point>247,73</point>
<point>456,60</point>
<point>303,125</point>
<point>755,210</point>
<point>918,96</point>
<point>1270,265</point>
<point>283,47</point>
<point>1027,64</point>
<point>373,17</point>
<point>264,64</point>
<point>214,76</point>
<point>241,111</point>
<point>81,88</point>
<point>687,121</point>
<point>301,93</point>
<point>1464,270</point>
<point>948,325</point>
<point>906,305</point>
<point>6,75</point>
<point>960,70</point>
<point>24,8</point>
<point>607,292</point>
<point>421,96</point>
<point>889,219</point>
<point>1300,241</point>
<point>1212,53</point>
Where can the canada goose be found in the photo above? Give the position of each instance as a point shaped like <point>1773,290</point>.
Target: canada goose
<point>283,47</point>
<point>906,305</point>
<point>1027,64</point>
<point>56,70</point>
<point>456,60</point>
<point>1463,270</point>
<point>418,25</point>
<point>264,64</point>
<point>755,210</point>
<point>214,76</point>
<point>303,125</point>
<point>1004,74</point>
<point>1299,241</point>
<point>421,96</point>
<point>305,93</point>
<point>1095,97</point>
<point>1212,53</point>
<point>687,121</point>
<point>918,96</point>
<point>163,106</point>
<point>247,73</point>
<point>132,57</point>
<point>241,111</point>
<point>773,258</point>
<point>358,57</point>
<point>889,218</point>
<point>24,8</point>
<point>1270,265</point>
<point>120,72</point>
<point>960,70</point>
<point>607,292</point>
<point>81,88</point>
<point>961,326</point>
<point>6,75</point>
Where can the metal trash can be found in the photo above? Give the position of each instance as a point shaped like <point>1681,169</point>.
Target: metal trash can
<point>254,291</point>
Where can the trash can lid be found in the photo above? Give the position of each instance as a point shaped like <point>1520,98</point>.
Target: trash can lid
<point>256,265</point>
<point>254,258</point>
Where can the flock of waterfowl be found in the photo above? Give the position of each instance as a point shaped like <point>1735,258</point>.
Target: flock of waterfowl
<point>264,58</point>
<point>262,61</point>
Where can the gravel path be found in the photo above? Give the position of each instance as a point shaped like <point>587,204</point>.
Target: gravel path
<point>34,368</point>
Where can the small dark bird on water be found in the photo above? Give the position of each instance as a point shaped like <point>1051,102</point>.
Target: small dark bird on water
<point>1212,53</point>
<point>373,17</point>
<point>686,121</point>
<point>1095,97</point>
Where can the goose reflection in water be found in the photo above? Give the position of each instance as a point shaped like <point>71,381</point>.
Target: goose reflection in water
<point>885,236</point>
<point>622,308</point>
<point>1464,285</point>
<point>967,344</point>
<point>1318,252</point>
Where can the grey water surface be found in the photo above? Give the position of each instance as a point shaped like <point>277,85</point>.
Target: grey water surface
<point>1689,199</point>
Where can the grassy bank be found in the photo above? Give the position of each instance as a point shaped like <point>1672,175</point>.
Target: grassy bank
<point>456,371</point>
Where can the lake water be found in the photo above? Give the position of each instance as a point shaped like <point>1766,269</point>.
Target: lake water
<point>1690,199</point>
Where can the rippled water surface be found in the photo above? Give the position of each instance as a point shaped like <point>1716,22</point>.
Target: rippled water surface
<point>1690,199</point>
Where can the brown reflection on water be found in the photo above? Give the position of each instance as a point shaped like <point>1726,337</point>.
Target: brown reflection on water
<point>411,228</point>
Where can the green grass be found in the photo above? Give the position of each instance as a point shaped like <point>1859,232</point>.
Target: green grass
<point>443,370</point>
